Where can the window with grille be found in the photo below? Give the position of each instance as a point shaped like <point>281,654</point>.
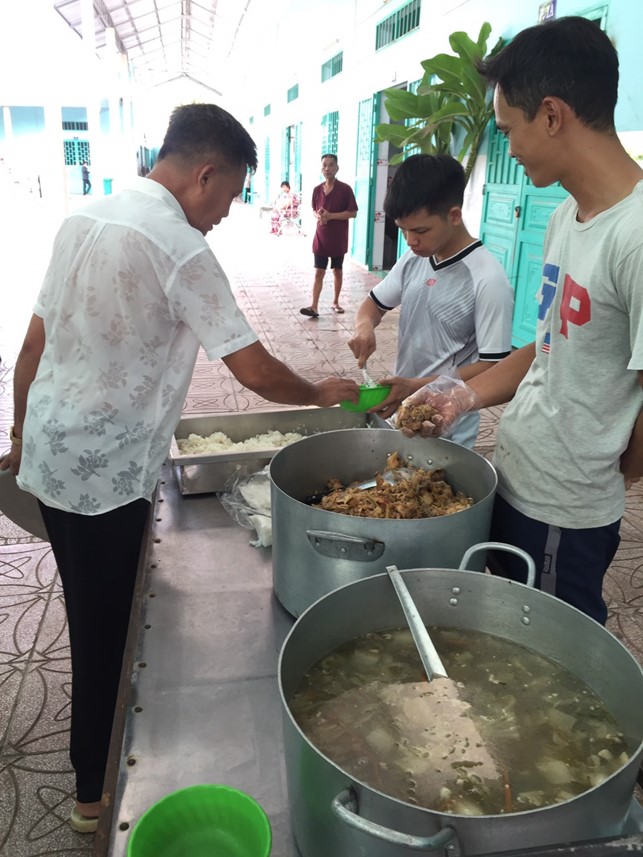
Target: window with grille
<point>76,151</point>
<point>398,24</point>
<point>332,66</point>
<point>293,93</point>
<point>74,126</point>
<point>330,132</point>
<point>266,110</point>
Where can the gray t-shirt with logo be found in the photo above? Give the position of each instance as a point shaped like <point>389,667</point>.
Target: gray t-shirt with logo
<point>560,439</point>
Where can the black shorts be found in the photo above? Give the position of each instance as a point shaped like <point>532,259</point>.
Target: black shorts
<point>321,262</point>
<point>570,564</point>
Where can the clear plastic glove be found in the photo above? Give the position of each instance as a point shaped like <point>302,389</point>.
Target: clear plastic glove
<point>435,409</point>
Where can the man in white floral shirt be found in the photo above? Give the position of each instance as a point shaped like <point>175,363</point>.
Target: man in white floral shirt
<point>131,292</point>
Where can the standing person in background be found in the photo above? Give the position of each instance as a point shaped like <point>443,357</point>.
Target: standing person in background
<point>333,206</point>
<point>247,189</point>
<point>571,438</point>
<point>131,291</point>
<point>87,185</point>
<point>456,304</point>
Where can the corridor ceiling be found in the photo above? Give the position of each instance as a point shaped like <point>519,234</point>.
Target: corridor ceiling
<point>167,39</point>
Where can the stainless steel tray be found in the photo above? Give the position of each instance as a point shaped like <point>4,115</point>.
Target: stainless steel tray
<point>207,472</point>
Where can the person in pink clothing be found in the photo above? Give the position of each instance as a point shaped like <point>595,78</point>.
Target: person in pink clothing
<point>333,206</point>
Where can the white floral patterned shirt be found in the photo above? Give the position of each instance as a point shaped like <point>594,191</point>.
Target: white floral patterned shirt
<point>131,291</point>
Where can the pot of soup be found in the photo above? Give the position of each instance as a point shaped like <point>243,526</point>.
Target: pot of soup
<point>535,740</point>
<point>315,550</point>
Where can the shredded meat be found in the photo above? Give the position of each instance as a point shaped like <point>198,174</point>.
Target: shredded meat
<point>411,416</point>
<point>412,493</point>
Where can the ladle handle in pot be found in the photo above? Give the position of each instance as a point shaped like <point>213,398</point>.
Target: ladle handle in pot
<point>431,661</point>
<point>344,806</point>
<point>501,546</point>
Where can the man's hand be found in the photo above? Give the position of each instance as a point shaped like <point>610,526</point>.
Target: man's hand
<point>331,391</point>
<point>448,398</point>
<point>401,388</point>
<point>11,461</point>
<point>323,216</point>
<point>362,343</point>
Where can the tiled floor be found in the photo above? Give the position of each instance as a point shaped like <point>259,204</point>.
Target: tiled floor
<point>272,279</point>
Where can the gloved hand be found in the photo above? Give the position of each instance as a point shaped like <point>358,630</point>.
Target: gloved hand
<point>435,409</point>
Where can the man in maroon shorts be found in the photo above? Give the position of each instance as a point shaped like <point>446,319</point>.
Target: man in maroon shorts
<point>333,206</point>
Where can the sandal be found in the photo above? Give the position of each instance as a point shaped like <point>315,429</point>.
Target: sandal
<point>336,308</point>
<point>309,311</point>
<point>81,823</point>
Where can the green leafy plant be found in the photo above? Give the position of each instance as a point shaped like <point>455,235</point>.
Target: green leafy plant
<point>452,103</point>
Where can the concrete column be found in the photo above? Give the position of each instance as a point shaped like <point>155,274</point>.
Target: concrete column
<point>53,176</point>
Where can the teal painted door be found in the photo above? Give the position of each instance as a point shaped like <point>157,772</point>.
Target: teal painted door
<point>362,249</point>
<point>266,172</point>
<point>514,219</point>
<point>291,157</point>
<point>296,180</point>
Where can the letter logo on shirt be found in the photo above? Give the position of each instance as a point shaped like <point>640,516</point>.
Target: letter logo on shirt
<point>548,288</point>
<point>576,306</point>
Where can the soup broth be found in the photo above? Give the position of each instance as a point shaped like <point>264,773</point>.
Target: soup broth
<point>510,730</point>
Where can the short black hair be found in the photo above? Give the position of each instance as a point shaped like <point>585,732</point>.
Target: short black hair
<point>434,182</point>
<point>570,58</point>
<point>284,182</point>
<point>198,130</point>
<point>330,155</point>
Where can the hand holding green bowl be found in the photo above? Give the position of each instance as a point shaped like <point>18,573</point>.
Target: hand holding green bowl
<point>369,397</point>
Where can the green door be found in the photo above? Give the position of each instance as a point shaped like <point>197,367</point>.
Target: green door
<point>266,172</point>
<point>365,167</point>
<point>515,215</point>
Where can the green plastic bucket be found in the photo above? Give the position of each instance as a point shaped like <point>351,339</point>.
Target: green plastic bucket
<point>202,821</point>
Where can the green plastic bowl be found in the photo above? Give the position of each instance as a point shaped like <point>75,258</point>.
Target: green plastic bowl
<point>202,821</point>
<point>368,398</point>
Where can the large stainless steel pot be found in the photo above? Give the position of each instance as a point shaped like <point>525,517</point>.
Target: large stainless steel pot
<point>335,814</point>
<point>315,551</point>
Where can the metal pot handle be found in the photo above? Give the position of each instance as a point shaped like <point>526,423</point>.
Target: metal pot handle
<point>341,546</point>
<point>344,807</point>
<point>501,546</point>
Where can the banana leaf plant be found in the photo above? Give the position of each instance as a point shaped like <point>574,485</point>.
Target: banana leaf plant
<point>452,103</point>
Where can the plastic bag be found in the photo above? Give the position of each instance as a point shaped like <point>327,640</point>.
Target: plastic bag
<point>451,398</point>
<point>247,501</point>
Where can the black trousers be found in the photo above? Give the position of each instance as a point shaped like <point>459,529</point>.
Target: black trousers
<point>97,557</point>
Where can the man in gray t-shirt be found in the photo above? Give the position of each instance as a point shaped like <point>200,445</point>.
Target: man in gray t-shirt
<point>455,301</point>
<point>571,439</point>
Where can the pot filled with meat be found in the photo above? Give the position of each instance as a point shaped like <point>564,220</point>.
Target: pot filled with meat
<point>534,739</point>
<point>347,503</point>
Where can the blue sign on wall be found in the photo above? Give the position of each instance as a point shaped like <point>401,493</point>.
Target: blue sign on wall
<point>547,11</point>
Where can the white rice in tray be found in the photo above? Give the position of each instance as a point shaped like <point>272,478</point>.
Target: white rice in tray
<point>220,442</point>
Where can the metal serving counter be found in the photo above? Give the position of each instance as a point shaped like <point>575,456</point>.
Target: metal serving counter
<point>202,705</point>
<point>199,700</point>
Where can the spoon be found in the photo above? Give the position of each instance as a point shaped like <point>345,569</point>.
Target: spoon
<point>390,476</point>
<point>368,381</point>
<point>430,658</point>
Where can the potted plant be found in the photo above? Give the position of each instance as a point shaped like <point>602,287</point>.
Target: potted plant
<point>451,107</point>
